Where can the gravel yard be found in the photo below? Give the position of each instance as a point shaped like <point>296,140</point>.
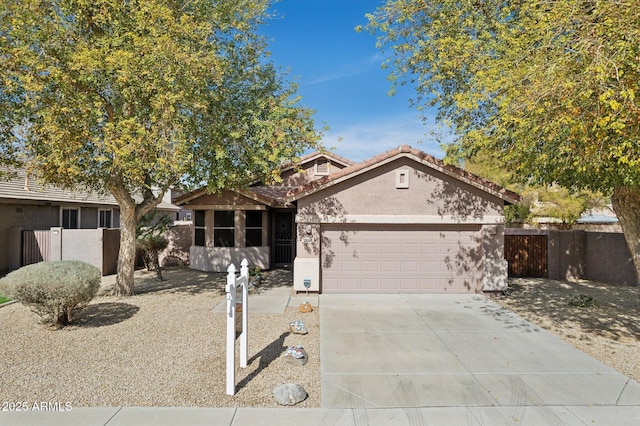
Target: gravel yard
<point>607,326</point>
<point>161,347</point>
<point>165,347</point>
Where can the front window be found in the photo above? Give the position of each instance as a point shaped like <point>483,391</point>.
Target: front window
<point>224,229</point>
<point>253,228</point>
<point>70,218</point>
<point>104,219</point>
<point>199,228</point>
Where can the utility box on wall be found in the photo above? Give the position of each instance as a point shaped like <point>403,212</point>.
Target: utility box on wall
<point>306,269</point>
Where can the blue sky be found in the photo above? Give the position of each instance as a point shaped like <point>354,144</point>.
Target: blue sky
<point>339,75</point>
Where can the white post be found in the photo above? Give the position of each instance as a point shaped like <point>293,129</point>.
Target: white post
<point>231,329</point>
<point>231,288</point>
<point>244,335</point>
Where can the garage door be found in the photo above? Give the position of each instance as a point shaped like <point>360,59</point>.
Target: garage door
<point>401,259</point>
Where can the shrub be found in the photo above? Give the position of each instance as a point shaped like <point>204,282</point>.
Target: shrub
<point>149,248</point>
<point>582,301</point>
<point>53,290</point>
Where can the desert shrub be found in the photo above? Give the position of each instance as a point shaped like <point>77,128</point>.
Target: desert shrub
<point>582,301</point>
<point>149,248</point>
<point>53,290</point>
<point>150,241</point>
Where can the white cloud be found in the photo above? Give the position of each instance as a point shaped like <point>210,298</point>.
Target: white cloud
<point>343,72</point>
<point>363,140</point>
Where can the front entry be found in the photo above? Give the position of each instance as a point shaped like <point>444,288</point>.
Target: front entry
<point>284,237</point>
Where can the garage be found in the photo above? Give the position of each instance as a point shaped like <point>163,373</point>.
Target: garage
<point>401,258</point>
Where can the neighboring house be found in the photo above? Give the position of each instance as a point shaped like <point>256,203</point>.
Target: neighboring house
<point>602,219</point>
<point>181,215</point>
<point>402,221</point>
<point>27,206</point>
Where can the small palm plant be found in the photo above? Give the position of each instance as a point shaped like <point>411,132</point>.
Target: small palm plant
<point>150,241</point>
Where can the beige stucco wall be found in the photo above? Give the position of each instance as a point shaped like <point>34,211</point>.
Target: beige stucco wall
<point>218,259</point>
<point>430,193</point>
<point>432,197</point>
<point>305,173</point>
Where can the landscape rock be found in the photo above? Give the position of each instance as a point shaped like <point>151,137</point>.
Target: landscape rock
<point>296,355</point>
<point>297,327</point>
<point>289,394</point>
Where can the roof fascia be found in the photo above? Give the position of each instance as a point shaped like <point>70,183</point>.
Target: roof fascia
<point>182,200</point>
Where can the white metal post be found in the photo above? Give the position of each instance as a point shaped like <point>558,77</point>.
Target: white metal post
<point>244,335</point>
<point>231,329</point>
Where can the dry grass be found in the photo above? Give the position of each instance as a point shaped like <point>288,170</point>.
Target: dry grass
<point>607,328</point>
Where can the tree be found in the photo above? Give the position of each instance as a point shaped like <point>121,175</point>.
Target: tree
<point>129,96</point>
<point>540,200</point>
<point>548,86</point>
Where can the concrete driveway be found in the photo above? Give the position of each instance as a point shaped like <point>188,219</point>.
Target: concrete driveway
<point>460,359</point>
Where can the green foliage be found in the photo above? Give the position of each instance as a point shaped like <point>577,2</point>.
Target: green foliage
<point>255,271</point>
<point>129,97</point>
<point>53,290</point>
<point>568,207</point>
<point>549,87</point>
<point>517,213</point>
<point>546,201</point>
<point>582,301</point>
<point>150,240</point>
<point>3,299</point>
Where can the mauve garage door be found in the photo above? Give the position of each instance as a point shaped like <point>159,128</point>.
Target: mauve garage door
<point>401,258</point>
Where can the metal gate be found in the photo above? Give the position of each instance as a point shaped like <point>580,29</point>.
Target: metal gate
<point>526,255</point>
<point>36,246</point>
<point>284,237</point>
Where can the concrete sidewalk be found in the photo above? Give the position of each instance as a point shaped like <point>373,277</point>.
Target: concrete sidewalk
<point>415,360</point>
<point>273,301</point>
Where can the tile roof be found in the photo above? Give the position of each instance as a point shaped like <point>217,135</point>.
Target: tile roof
<point>16,185</point>
<point>272,195</point>
<point>316,154</point>
<point>421,156</point>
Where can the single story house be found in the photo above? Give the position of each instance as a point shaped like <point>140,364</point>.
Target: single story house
<point>400,222</point>
<point>27,207</point>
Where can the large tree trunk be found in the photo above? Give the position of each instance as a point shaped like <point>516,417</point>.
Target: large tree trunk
<point>130,213</point>
<point>127,253</point>
<point>626,204</point>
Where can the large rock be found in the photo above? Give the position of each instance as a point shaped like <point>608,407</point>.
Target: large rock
<point>289,394</point>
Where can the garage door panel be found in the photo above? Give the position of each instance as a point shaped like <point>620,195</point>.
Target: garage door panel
<point>369,284</point>
<point>401,258</point>
<point>410,283</point>
<point>371,265</point>
<point>410,248</point>
<point>388,284</point>
<point>389,266</point>
<point>390,248</point>
<point>429,266</point>
<point>351,266</point>
<point>370,248</point>
<point>410,266</point>
<point>350,284</point>
<point>429,248</point>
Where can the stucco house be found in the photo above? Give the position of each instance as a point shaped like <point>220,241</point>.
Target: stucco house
<point>400,222</point>
<point>29,210</point>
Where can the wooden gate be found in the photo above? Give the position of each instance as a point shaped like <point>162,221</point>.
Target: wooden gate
<point>35,247</point>
<point>526,255</point>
